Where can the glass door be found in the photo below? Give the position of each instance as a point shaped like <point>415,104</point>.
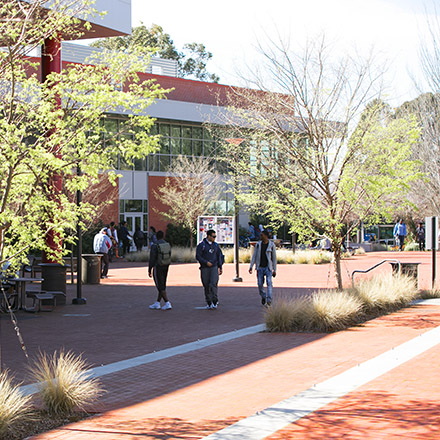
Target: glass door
<point>134,221</point>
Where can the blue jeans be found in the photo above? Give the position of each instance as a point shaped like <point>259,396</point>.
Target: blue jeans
<point>261,273</point>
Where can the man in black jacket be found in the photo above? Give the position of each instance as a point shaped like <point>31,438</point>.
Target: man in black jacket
<point>210,257</point>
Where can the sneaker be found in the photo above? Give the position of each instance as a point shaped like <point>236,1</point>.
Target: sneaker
<point>263,301</point>
<point>268,303</point>
<point>155,306</point>
<point>104,276</point>
<point>167,306</point>
<point>208,306</point>
<point>214,306</point>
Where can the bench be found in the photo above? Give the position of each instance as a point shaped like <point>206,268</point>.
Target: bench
<point>42,302</point>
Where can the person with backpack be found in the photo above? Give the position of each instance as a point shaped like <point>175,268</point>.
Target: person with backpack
<point>102,245</point>
<point>211,259</point>
<point>160,259</point>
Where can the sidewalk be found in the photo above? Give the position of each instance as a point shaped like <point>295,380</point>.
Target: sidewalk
<point>193,394</point>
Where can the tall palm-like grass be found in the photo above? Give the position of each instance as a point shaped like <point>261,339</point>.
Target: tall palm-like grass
<point>14,407</point>
<point>386,292</point>
<point>63,382</point>
<point>287,315</point>
<point>183,255</point>
<point>332,310</point>
<point>244,254</point>
<point>312,257</point>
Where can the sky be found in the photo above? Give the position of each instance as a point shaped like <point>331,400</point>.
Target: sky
<point>232,30</point>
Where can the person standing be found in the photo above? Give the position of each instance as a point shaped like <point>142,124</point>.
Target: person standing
<point>265,261</point>
<point>138,237</point>
<point>160,259</point>
<point>211,259</point>
<point>420,235</point>
<point>400,233</point>
<point>124,236</point>
<point>113,234</point>
<point>102,245</point>
<point>152,237</point>
<point>251,231</point>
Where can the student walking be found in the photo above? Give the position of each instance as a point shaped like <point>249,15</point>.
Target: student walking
<point>265,261</point>
<point>102,245</point>
<point>211,259</point>
<point>160,259</point>
<point>400,233</point>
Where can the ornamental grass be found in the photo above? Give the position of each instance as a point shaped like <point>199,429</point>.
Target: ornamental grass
<point>331,310</point>
<point>14,407</point>
<point>63,382</point>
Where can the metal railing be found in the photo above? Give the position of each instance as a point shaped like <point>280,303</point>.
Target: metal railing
<point>371,268</point>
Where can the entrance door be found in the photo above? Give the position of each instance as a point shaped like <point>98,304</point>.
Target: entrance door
<point>133,221</point>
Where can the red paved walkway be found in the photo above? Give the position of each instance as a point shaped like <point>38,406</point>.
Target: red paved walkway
<point>191,395</point>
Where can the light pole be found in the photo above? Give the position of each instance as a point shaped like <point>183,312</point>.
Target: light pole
<point>237,142</point>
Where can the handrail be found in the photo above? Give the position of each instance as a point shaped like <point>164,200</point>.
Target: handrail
<point>371,268</point>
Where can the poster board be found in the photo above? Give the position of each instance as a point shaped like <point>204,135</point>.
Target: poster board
<point>223,225</point>
<point>431,228</point>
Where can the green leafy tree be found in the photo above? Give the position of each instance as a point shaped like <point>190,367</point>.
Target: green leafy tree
<point>41,139</point>
<point>316,156</point>
<point>192,60</point>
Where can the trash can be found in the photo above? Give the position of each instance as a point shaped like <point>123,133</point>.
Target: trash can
<point>410,269</point>
<point>54,275</point>
<point>91,268</point>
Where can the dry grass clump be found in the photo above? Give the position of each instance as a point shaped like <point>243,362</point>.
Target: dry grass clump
<point>429,294</point>
<point>359,251</point>
<point>244,255</point>
<point>285,256</point>
<point>183,254</point>
<point>14,407</point>
<point>63,382</point>
<point>312,257</point>
<point>330,310</point>
<point>138,257</point>
<point>386,292</point>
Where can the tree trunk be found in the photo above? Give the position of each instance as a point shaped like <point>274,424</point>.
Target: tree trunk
<point>337,263</point>
<point>191,239</point>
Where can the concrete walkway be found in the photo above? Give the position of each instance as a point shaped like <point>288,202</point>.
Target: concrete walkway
<point>195,393</point>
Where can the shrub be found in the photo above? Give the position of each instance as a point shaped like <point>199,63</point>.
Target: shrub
<point>332,310</point>
<point>143,256</point>
<point>312,257</point>
<point>14,407</point>
<point>178,235</point>
<point>285,256</point>
<point>359,251</point>
<point>63,382</point>
<point>286,315</point>
<point>386,292</point>
<point>183,255</point>
<point>428,294</point>
<point>413,246</point>
<point>243,254</point>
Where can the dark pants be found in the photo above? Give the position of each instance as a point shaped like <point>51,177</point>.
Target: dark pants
<point>209,276</point>
<point>104,264</point>
<point>125,246</point>
<point>160,274</point>
<point>421,244</point>
<point>401,241</point>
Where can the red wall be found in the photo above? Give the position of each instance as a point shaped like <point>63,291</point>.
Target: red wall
<point>155,219</point>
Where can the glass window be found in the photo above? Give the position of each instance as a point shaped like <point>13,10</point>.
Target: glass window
<point>197,133</point>
<point>164,129</point>
<point>208,148</point>
<point>153,162</point>
<point>145,222</point>
<point>207,134</point>
<point>154,129</point>
<point>124,164</point>
<point>133,206</point>
<point>137,223</point>
<point>140,164</point>
<point>145,206</point>
<point>121,205</point>
<point>111,125</point>
<point>187,147</point>
<point>164,162</point>
<point>175,131</point>
<point>176,147</point>
<point>197,148</point>
<point>164,145</point>
<point>121,218</point>
<point>186,132</point>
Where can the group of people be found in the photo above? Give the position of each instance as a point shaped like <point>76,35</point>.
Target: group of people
<point>109,240</point>
<point>211,260</point>
<point>400,233</point>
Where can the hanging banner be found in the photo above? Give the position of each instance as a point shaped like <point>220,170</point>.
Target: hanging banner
<point>222,225</point>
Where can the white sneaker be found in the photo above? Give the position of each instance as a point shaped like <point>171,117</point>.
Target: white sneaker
<point>155,306</point>
<point>167,306</point>
<point>214,306</point>
<point>208,307</point>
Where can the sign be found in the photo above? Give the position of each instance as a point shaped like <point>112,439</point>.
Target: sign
<point>222,225</point>
<point>431,227</point>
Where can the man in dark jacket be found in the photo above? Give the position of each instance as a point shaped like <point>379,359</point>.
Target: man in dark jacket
<point>160,270</point>
<point>210,257</point>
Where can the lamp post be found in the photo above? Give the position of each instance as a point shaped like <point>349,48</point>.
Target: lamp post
<point>237,142</point>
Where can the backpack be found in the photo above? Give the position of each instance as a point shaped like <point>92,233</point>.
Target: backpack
<point>163,254</point>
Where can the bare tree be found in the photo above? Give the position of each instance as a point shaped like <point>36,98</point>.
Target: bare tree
<point>317,157</point>
<point>190,190</point>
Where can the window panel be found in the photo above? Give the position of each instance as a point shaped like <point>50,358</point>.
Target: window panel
<point>140,164</point>
<point>124,164</point>
<point>197,148</point>
<point>133,206</point>
<point>197,132</point>
<point>187,147</point>
<point>164,161</point>
<point>121,205</point>
<point>111,125</point>
<point>176,146</point>
<point>186,132</point>
<point>175,131</point>
<point>164,145</point>
<point>164,129</point>
<point>153,162</point>
<point>208,148</point>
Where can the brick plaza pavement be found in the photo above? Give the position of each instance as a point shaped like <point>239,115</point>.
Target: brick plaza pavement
<point>193,394</point>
